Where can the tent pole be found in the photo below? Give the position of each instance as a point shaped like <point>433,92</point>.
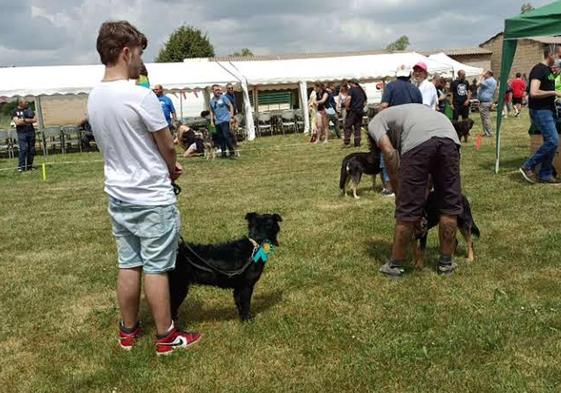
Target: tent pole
<point>509,49</point>
<point>39,110</point>
<point>181,105</point>
<point>304,105</point>
<point>249,124</point>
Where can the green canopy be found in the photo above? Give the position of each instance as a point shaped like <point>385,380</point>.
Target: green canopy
<point>544,21</point>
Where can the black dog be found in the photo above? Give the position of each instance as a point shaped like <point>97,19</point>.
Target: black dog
<point>462,128</point>
<point>355,164</point>
<point>466,225</point>
<point>227,265</point>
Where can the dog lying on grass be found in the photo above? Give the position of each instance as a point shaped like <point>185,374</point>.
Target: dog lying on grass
<point>236,265</point>
<point>463,128</point>
<point>356,164</point>
<point>466,226</point>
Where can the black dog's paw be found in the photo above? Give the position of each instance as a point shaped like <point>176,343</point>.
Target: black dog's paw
<point>247,318</point>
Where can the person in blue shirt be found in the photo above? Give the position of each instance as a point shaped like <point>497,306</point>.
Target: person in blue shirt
<point>222,112</point>
<point>399,92</point>
<point>486,94</point>
<point>167,107</point>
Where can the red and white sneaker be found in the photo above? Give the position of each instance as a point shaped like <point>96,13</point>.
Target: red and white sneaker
<point>176,340</point>
<point>127,340</point>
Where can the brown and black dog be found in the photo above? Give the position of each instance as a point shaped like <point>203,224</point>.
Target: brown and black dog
<point>462,128</point>
<point>466,226</point>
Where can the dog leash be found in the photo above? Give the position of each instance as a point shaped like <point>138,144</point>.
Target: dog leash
<point>208,267</point>
<point>176,188</point>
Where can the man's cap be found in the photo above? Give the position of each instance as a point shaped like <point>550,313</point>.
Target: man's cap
<point>403,72</point>
<point>422,65</point>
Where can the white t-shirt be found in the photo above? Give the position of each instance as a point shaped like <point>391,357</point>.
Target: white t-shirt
<point>123,116</point>
<point>429,93</point>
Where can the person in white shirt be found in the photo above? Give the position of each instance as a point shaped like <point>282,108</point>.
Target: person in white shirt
<point>139,165</point>
<point>428,90</point>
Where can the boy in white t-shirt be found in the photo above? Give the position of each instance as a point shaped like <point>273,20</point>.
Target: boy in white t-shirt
<point>140,164</point>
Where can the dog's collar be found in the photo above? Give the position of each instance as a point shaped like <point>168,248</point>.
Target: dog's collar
<point>261,251</point>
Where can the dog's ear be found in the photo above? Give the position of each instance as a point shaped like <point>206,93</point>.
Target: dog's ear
<point>277,217</point>
<point>250,216</point>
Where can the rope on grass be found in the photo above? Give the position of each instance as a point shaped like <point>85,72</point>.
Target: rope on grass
<point>257,149</point>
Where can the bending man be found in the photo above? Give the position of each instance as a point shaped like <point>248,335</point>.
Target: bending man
<point>428,145</point>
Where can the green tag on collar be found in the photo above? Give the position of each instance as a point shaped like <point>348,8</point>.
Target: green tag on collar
<point>263,252</point>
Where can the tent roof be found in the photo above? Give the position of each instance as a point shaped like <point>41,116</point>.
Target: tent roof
<point>368,67</point>
<point>36,81</point>
<point>543,21</point>
<point>456,65</point>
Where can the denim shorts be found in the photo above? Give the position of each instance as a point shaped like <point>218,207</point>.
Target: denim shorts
<point>147,236</point>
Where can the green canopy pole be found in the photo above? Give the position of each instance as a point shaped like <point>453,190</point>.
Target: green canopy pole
<point>509,49</point>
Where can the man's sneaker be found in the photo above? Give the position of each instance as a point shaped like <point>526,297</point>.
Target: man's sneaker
<point>176,340</point>
<point>528,175</point>
<point>551,180</point>
<point>346,146</point>
<point>446,268</point>
<point>391,269</point>
<point>387,193</point>
<point>127,338</point>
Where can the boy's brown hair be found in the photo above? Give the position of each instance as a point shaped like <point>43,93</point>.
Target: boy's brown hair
<point>114,36</point>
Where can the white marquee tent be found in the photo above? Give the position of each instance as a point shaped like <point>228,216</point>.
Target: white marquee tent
<point>471,72</point>
<point>303,71</point>
<point>199,74</point>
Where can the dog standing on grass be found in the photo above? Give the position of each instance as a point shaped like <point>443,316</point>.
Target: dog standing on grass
<point>466,226</point>
<point>463,128</point>
<point>236,265</point>
<point>355,165</point>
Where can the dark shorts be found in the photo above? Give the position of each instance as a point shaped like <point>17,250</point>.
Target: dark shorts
<point>517,101</point>
<point>439,158</point>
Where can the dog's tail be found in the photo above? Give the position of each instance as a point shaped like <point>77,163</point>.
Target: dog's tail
<point>467,211</point>
<point>475,230</point>
<point>344,174</point>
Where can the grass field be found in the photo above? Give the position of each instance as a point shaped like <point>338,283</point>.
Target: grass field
<point>326,321</point>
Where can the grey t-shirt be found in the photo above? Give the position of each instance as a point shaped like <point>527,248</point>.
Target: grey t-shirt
<point>410,125</point>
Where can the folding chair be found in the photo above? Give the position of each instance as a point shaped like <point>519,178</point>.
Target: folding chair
<point>288,120</point>
<point>264,122</point>
<point>71,136</point>
<point>6,144</point>
<point>52,137</point>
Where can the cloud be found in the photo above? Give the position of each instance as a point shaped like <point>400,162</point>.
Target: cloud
<point>42,32</point>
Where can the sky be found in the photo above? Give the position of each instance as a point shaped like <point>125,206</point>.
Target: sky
<point>53,32</point>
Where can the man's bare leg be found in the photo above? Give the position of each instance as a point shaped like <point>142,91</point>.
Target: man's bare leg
<point>156,288</point>
<point>128,295</point>
<point>403,234</point>
<point>447,235</point>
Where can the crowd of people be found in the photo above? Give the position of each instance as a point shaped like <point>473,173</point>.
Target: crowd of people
<point>419,145</point>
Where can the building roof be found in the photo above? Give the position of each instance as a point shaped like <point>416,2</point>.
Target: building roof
<point>472,50</point>
<point>555,40</point>
<point>307,55</point>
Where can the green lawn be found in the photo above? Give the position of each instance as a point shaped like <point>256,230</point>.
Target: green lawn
<point>325,320</point>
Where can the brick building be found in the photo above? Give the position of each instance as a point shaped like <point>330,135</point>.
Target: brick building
<point>475,57</point>
<point>528,53</point>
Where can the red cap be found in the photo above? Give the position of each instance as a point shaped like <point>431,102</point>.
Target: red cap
<point>422,65</point>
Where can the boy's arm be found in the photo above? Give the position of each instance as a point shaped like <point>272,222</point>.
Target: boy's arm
<point>164,142</point>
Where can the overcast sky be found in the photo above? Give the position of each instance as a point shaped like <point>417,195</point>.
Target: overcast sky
<point>46,32</point>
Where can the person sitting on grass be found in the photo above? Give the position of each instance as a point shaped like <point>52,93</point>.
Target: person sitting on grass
<point>191,141</point>
<point>417,143</point>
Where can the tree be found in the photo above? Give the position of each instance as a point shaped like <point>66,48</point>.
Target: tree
<point>184,43</point>
<point>525,8</point>
<point>400,44</point>
<point>245,52</point>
